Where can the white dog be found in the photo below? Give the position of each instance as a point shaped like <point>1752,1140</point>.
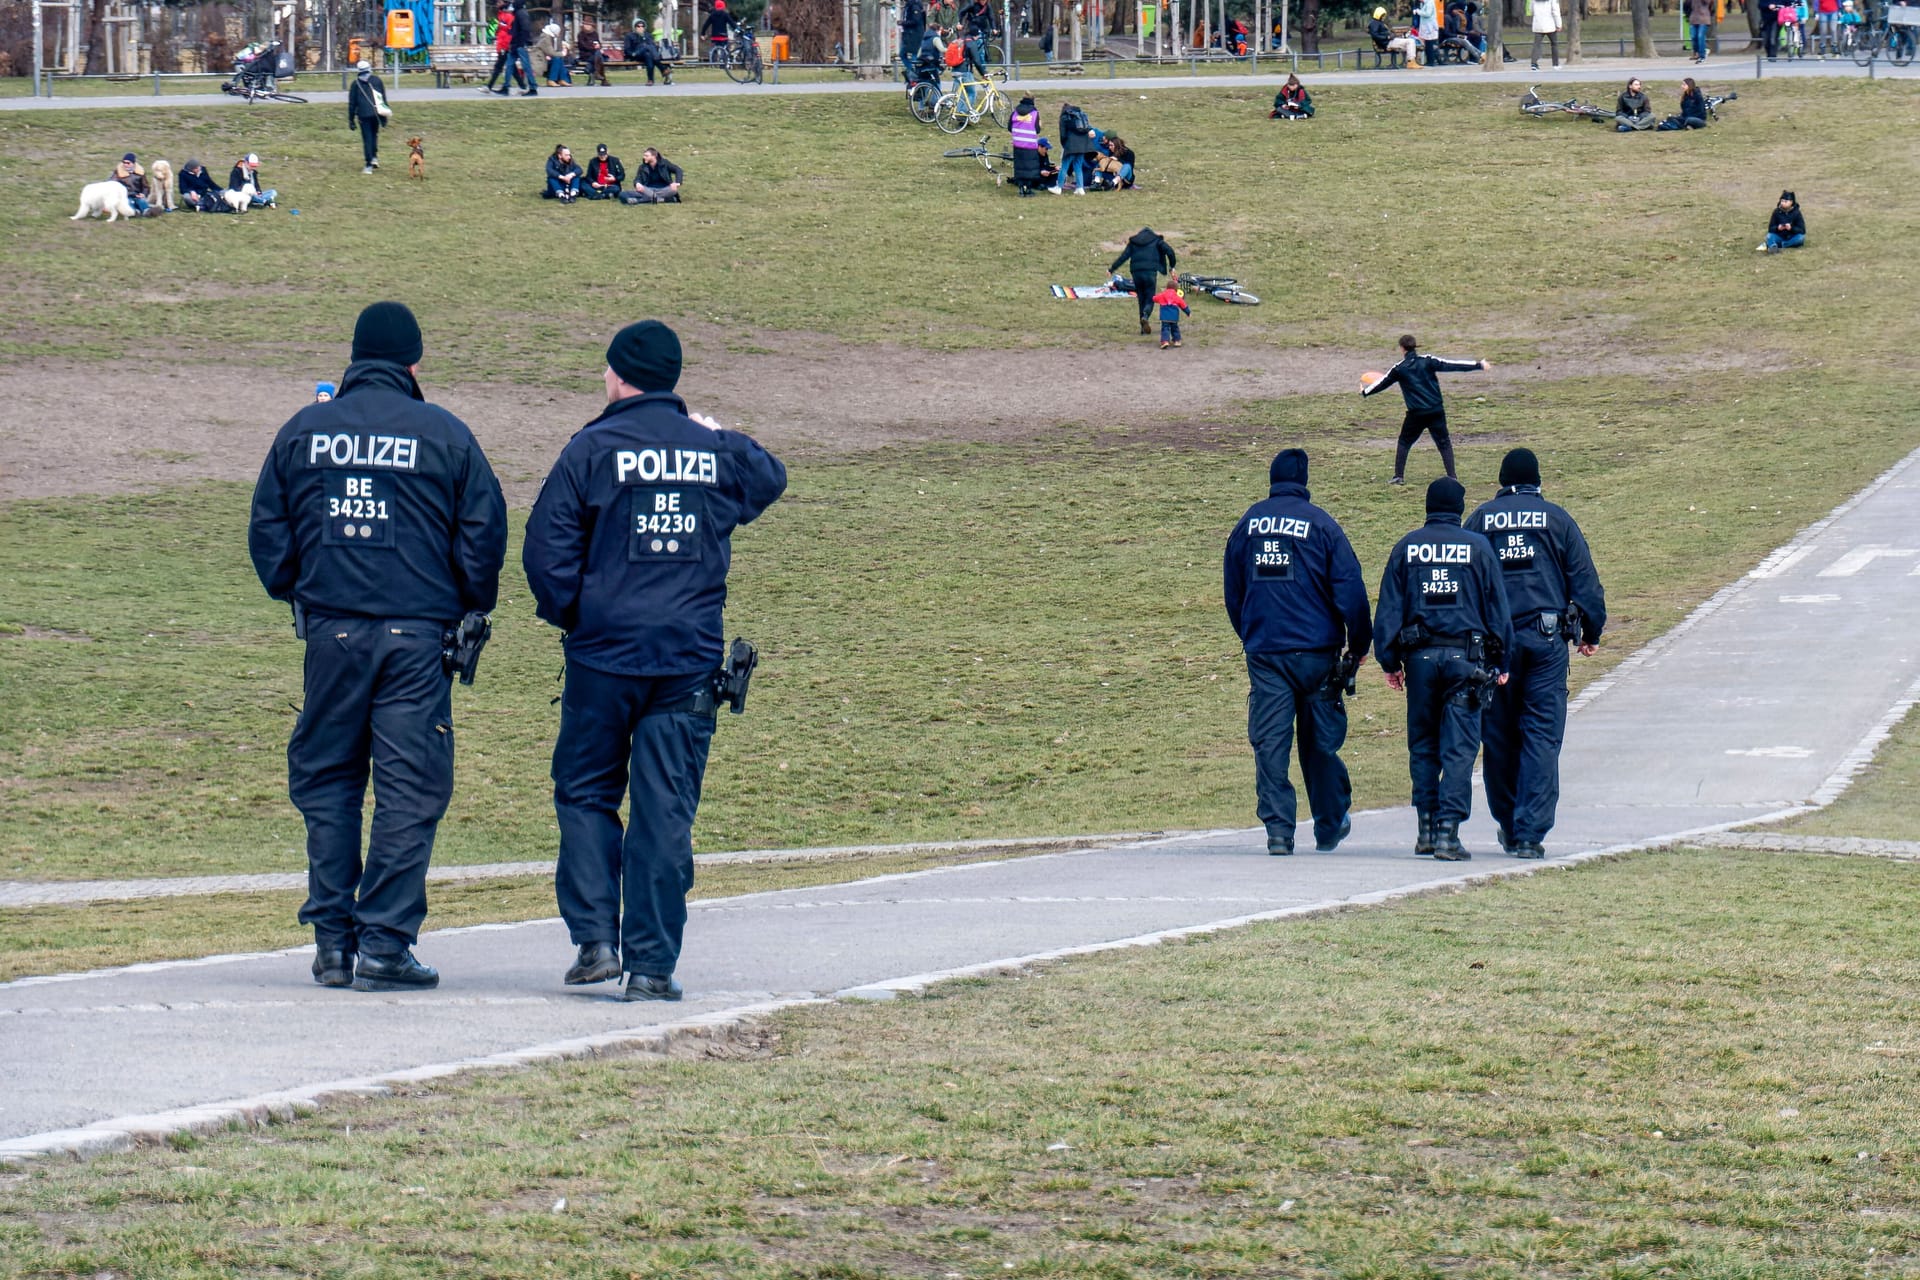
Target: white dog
<point>241,198</point>
<point>161,178</point>
<point>107,197</point>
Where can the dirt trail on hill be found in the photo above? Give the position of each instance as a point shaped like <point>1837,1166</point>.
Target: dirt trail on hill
<point>124,427</point>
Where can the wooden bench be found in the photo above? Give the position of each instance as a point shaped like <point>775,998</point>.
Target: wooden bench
<point>468,61</point>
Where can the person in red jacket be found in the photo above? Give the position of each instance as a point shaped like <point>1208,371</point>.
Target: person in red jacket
<point>502,50</point>
<point>1173,305</point>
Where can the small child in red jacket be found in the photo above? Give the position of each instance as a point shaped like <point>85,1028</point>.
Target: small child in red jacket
<point>1173,305</point>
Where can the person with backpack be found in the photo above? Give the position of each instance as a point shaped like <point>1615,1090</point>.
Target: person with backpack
<point>1076,144</point>
<point>1147,256</point>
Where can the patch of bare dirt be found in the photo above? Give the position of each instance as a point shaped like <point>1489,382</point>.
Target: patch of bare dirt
<point>126,427</point>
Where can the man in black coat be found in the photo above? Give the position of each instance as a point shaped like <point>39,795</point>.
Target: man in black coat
<point>1426,411</point>
<point>520,49</point>
<point>378,519</point>
<point>1147,255</point>
<point>1442,633</point>
<point>627,552</point>
<point>364,99</point>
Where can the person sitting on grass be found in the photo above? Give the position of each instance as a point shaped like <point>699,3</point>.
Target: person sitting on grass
<point>248,170</point>
<point>199,191</point>
<point>657,181</point>
<point>1112,162</point>
<point>1293,102</point>
<point>1786,226</point>
<point>1049,168</point>
<point>1634,110</point>
<point>1693,109</point>
<point>605,175</point>
<point>130,175</point>
<point>563,175</point>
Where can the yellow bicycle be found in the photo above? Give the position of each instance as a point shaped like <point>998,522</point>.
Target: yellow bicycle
<point>972,101</point>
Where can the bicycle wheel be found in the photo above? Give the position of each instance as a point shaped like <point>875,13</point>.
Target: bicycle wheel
<point>1238,296</point>
<point>1900,45</point>
<point>1864,48</point>
<point>962,153</point>
<point>994,53</point>
<point>949,116</point>
<point>283,97</point>
<point>1000,107</point>
<point>921,99</point>
<point>739,69</point>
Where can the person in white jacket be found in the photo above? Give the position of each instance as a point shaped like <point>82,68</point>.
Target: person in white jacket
<point>1427,28</point>
<point>1546,22</point>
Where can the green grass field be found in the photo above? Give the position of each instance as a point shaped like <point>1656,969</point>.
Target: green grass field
<point>1684,1064</point>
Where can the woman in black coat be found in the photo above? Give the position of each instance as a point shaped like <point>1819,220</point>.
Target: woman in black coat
<point>365,97</point>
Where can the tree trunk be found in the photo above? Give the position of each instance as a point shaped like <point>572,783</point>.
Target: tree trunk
<point>1642,28</point>
<point>1570,16</point>
<point>97,39</point>
<point>1309,31</point>
<point>1495,15</point>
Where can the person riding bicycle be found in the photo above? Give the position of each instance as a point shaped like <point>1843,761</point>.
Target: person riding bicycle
<point>719,29</point>
<point>977,21</point>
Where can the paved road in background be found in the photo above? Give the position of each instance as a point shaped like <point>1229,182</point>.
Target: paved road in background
<point>1720,70</point>
<point>1765,698</point>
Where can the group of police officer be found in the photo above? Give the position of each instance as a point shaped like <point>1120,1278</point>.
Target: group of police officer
<point>1472,622</point>
<point>377,517</point>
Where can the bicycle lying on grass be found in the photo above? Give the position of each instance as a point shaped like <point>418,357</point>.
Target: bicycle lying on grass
<point>1225,288</point>
<point>985,154</point>
<point>1532,104</point>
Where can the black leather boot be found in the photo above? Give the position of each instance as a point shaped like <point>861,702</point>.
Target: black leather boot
<point>641,986</point>
<point>597,962</point>
<point>1446,843</point>
<point>1423,841</point>
<point>333,967</point>
<point>394,973</point>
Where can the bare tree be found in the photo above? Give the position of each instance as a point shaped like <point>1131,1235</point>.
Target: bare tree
<point>97,39</point>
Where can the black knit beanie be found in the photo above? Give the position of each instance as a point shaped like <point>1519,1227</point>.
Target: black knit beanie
<point>1519,467</point>
<point>1289,467</point>
<point>646,355</point>
<point>387,331</point>
<point>1445,496</point>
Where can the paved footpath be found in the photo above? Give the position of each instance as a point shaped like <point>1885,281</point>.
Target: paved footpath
<point>1765,699</point>
<point>1718,70</point>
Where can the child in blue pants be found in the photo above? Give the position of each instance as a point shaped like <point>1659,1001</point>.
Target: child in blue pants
<point>1173,305</point>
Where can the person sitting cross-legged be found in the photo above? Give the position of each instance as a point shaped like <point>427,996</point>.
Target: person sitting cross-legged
<point>563,175</point>
<point>1293,102</point>
<point>605,175</point>
<point>656,181</point>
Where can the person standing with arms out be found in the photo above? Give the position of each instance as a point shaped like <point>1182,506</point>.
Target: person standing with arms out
<point>365,97</point>
<point>1297,600</point>
<point>1556,599</point>
<point>378,519</point>
<point>1426,411</point>
<point>1147,255</point>
<point>627,552</point>
<point>1545,15</point>
<point>1442,633</point>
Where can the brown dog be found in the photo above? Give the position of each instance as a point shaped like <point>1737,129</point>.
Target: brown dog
<point>161,179</point>
<point>416,160</point>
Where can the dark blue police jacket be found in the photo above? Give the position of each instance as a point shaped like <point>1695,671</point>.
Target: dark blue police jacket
<point>629,541</point>
<point>378,504</point>
<point>1543,557</point>
<point>1443,577</point>
<point>1292,580</point>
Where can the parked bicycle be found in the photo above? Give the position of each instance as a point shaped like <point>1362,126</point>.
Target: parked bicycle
<point>973,101</point>
<point>255,72</point>
<point>1893,36</point>
<point>740,55</point>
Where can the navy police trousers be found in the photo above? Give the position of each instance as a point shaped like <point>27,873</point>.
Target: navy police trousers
<point>1443,735</point>
<point>1524,727</point>
<point>376,696</point>
<point>620,734</point>
<point>1290,702</point>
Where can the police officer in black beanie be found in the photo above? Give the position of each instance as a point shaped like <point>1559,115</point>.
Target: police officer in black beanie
<point>377,517</point>
<point>1557,600</point>
<point>627,552</point>
<point>1297,600</point>
<point>1441,633</point>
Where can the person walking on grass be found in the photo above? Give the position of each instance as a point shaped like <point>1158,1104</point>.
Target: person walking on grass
<point>1148,256</point>
<point>1426,410</point>
<point>365,98</point>
<point>1173,305</point>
